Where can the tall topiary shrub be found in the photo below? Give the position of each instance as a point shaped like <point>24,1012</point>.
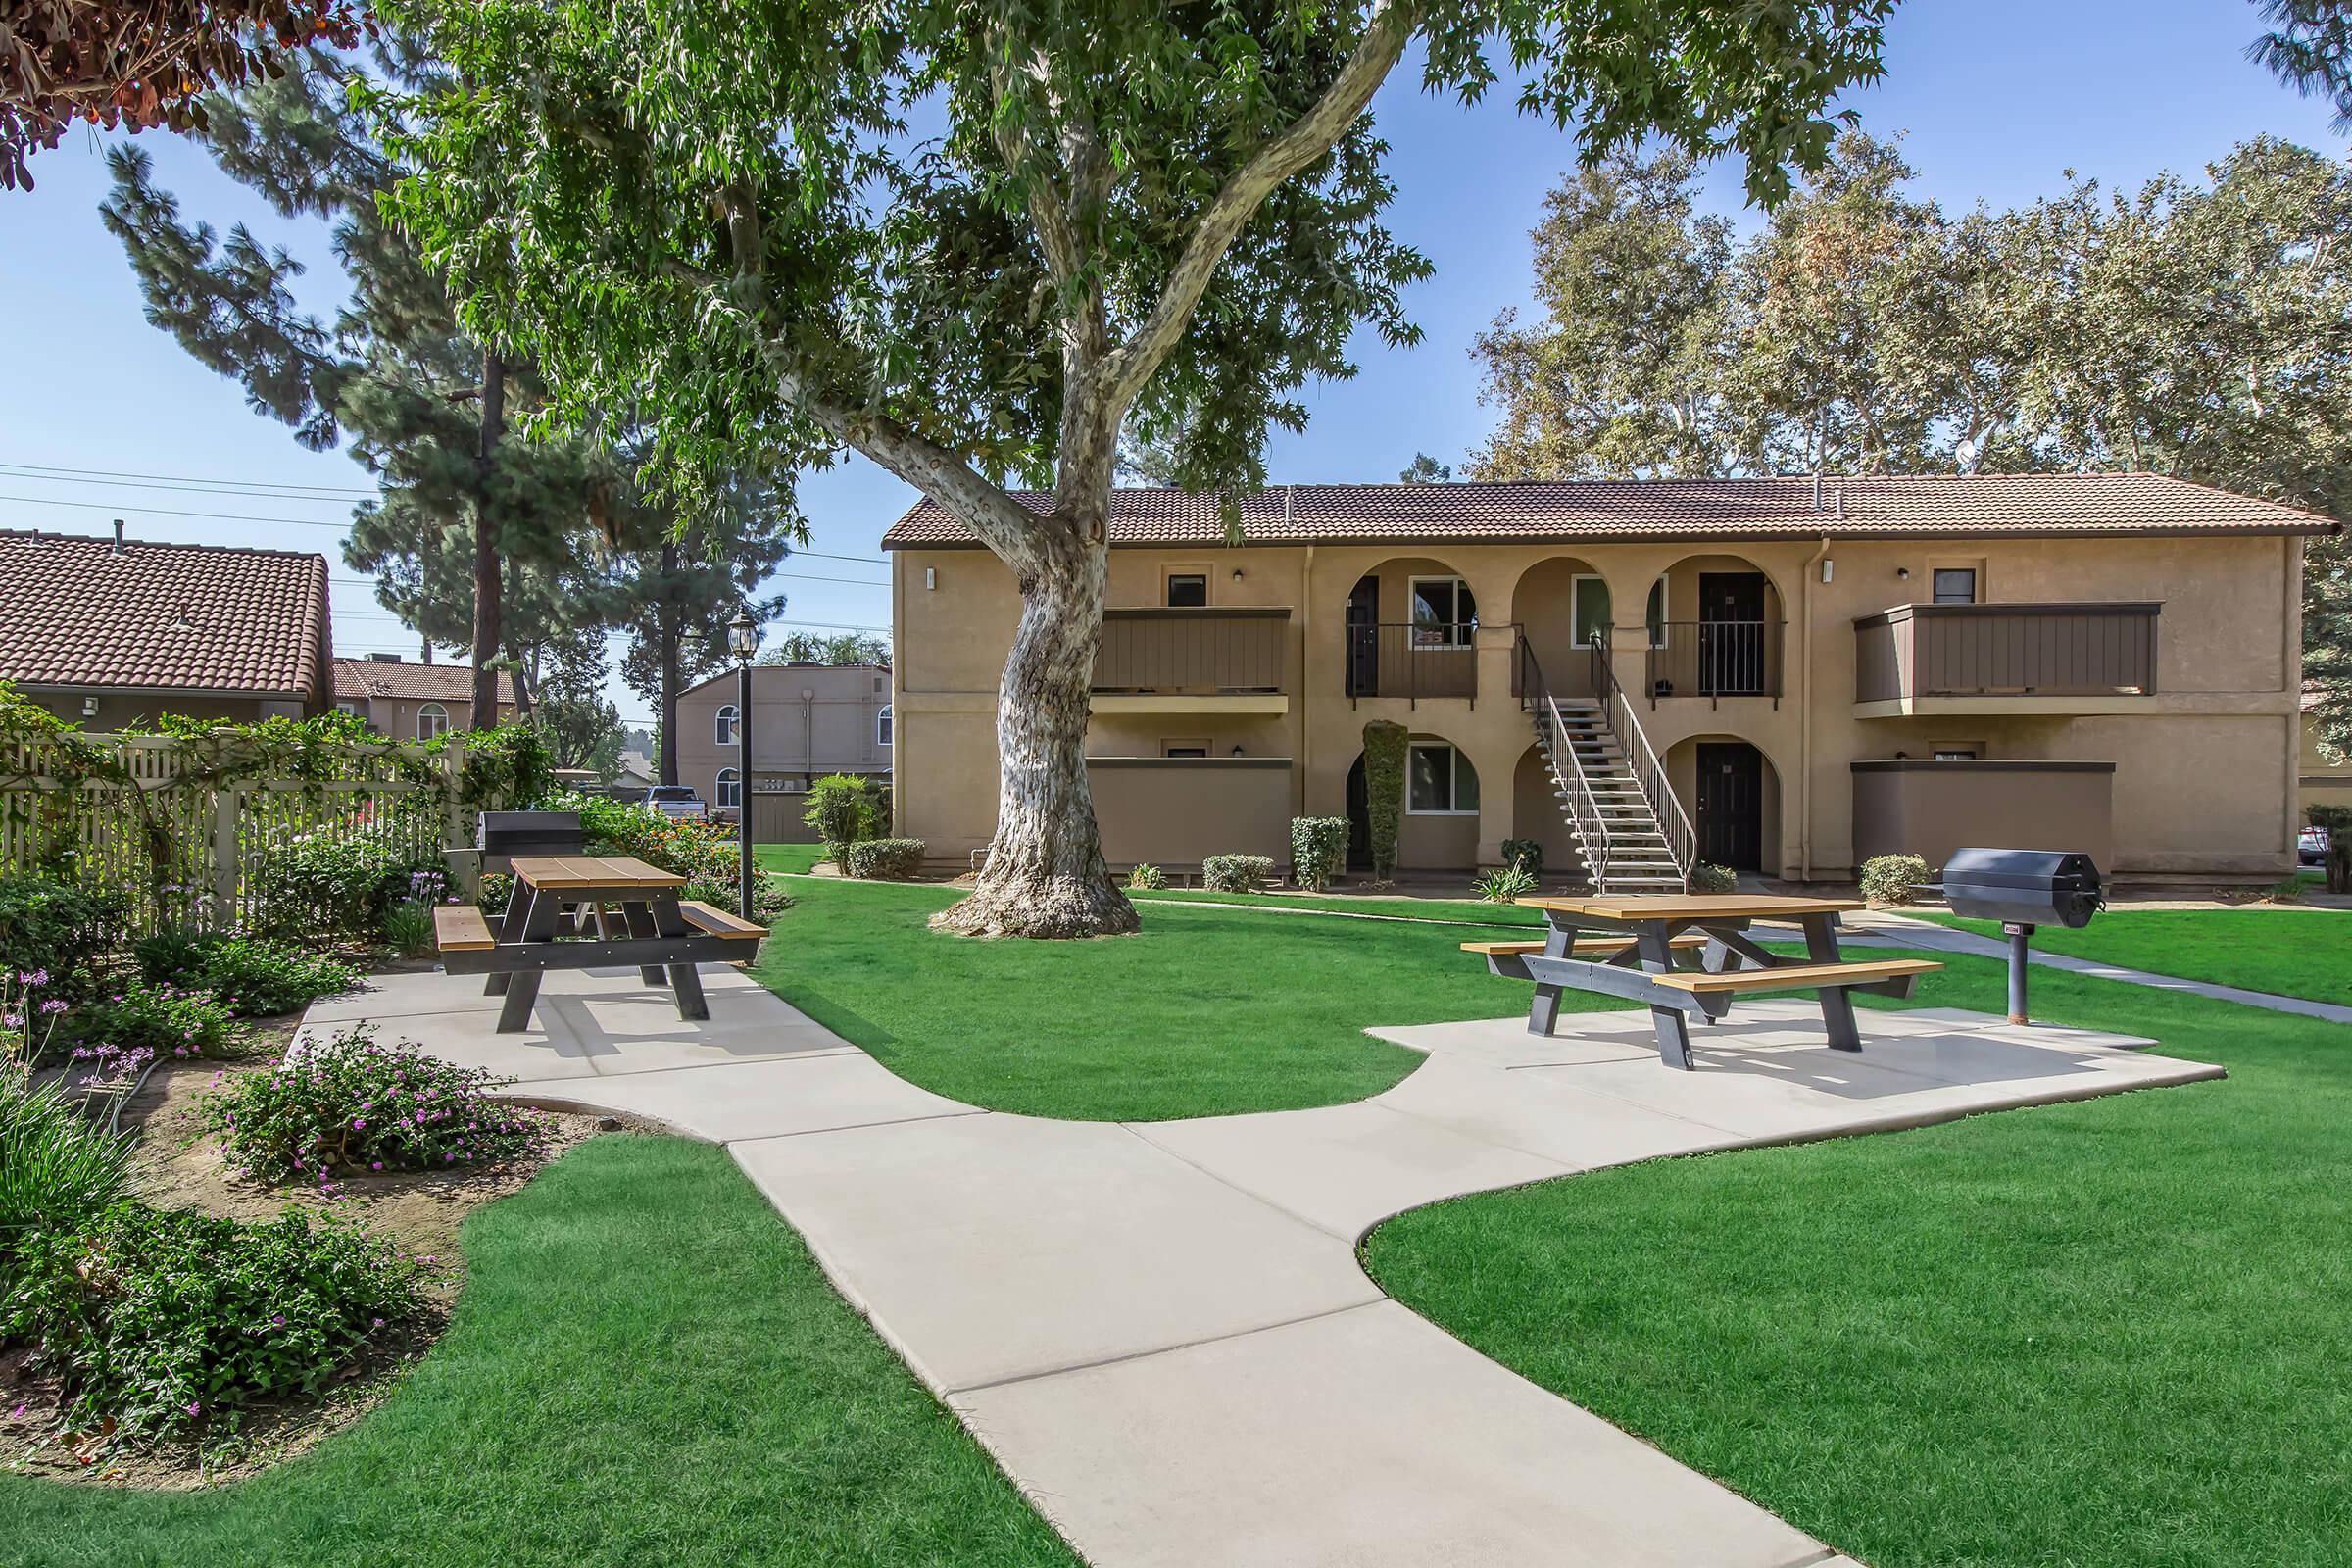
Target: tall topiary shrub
<point>2337,820</point>
<point>1384,793</point>
<point>1319,850</point>
<point>845,811</point>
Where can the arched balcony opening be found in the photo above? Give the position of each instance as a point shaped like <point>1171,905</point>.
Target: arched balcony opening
<point>1412,631</point>
<point>1722,634</point>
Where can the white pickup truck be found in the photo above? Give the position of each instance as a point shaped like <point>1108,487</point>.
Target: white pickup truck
<point>675,800</point>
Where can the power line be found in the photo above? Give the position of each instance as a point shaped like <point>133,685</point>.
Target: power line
<point>227,488</point>
<point>168,512</point>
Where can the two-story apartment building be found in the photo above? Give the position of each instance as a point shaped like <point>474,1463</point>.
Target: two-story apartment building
<point>807,721</point>
<point>1768,674</point>
<point>420,701</point>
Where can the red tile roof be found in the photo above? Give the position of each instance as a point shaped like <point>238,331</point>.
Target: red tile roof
<point>75,611</point>
<point>401,680</point>
<point>1601,510</point>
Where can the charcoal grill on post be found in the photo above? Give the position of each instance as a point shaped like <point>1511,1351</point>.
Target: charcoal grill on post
<point>2021,889</point>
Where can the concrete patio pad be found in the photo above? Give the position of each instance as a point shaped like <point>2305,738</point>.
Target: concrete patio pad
<point>1162,1331</point>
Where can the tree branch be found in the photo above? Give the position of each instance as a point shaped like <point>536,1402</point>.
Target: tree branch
<point>1308,138</point>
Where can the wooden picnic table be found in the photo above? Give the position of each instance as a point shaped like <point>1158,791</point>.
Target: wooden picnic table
<point>638,918</point>
<point>1626,947</point>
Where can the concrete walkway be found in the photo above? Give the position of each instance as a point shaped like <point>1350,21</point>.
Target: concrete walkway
<point>1882,925</point>
<point>1162,1331</point>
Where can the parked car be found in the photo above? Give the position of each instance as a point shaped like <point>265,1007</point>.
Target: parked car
<point>2311,846</point>
<point>675,800</point>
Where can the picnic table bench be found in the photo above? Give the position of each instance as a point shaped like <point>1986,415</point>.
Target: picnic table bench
<point>1627,947</point>
<point>637,916</point>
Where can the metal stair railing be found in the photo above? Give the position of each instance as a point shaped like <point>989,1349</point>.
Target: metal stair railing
<point>1592,827</point>
<point>1642,761</point>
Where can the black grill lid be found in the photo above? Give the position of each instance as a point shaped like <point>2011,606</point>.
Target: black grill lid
<point>2065,870</point>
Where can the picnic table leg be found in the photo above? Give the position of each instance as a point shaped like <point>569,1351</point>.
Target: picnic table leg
<point>1543,1012</point>
<point>685,980</point>
<point>1673,1029</point>
<point>519,898</point>
<point>640,919</point>
<point>1837,1007</point>
<point>540,917</point>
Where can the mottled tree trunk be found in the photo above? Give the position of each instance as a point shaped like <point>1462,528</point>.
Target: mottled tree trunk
<point>1044,875</point>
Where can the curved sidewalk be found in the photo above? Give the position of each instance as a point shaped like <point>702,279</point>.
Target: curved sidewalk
<point>1160,1329</point>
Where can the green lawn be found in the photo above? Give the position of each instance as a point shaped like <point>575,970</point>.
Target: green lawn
<point>1470,911</point>
<point>646,1367</point>
<point>2095,1335</point>
<point>1209,1011</point>
<point>2279,949</point>
<point>781,857</point>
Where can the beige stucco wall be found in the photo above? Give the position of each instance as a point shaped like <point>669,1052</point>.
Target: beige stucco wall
<point>2206,768</point>
<point>397,717</point>
<point>807,720</point>
<point>119,709</point>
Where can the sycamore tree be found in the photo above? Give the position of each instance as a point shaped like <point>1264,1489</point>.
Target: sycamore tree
<point>978,242</point>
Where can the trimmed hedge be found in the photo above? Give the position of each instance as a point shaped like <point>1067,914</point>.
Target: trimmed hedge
<point>1237,873</point>
<point>1889,879</point>
<point>887,860</point>
<point>1318,851</point>
<point>1384,793</point>
<point>1706,877</point>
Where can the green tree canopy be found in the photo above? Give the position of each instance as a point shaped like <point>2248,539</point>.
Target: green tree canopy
<point>839,647</point>
<point>978,242</point>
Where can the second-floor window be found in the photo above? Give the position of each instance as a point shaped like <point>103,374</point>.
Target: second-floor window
<point>432,719</point>
<point>1444,613</point>
<point>882,722</point>
<point>1187,589</point>
<point>1955,586</point>
<point>723,725</point>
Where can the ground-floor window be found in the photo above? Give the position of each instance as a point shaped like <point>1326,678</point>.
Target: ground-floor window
<point>1440,780</point>
<point>730,787</point>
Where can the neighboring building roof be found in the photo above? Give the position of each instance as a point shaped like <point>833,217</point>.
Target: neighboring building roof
<point>1601,510</point>
<point>402,681</point>
<point>114,612</point>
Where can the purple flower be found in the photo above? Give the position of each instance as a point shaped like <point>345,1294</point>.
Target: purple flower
<point>195,1407</point>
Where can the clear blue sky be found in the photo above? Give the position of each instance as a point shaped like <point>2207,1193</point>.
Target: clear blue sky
<point>1995,99</point>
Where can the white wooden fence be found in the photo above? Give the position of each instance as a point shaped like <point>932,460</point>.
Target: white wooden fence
<point>196,853</point>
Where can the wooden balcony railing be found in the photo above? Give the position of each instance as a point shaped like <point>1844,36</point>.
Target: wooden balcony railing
<point>2023,650</point>
<point>1199,651</point>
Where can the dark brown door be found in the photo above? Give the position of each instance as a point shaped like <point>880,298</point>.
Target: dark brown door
<point>1363,638</point>
<point>1731,805</point>
<point>1730,633</point>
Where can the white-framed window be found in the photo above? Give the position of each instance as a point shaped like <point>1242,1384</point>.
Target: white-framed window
<point>730,788</point>
<point>723,725</point>
<point>1438,781</point>
<point>1655,615</point>
<point>882,725</point>
<point>432,719</point>
<point>353,709</point>
<point>1445,613</point>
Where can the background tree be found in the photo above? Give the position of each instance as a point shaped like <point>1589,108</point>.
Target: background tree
<point>424,406</point>
<point>1426,469</point>
<point>580,726</point>
<point>812,647</point>
<point>139,64</point>
<point>1156,219</point>
<point>2308,47</point>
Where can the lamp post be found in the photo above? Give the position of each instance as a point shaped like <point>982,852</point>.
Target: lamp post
<point>743,641</point>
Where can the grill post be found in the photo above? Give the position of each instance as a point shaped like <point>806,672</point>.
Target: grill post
<point>2018,933</point>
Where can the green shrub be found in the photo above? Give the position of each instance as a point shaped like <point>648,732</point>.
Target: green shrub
<point>1505,884</point>
<point>1318,851</point>
<point>1889,879</point>
<point>352,1104</point>
<point>1706,877</point>
<point>168,1322</point>
<point>253,978</point>
<point>51,928</point>
<point>1237,873</point>
<point>409,929</point>
<point>845,809</point>
<point>1384,793</point>
<point>1147,877</point>
<point>116,1034</point>
<point>892,860</point>
<point>1525,854</point>
<point>2336,865</point>
<point>57,1165</point>
<point>330,885</point>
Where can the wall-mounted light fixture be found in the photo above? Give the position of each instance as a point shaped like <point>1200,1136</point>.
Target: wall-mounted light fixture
<point>1237,751</point>
<point>1904,572</point>
<point>1827,567</point>
<point>89,708</point>
<point>930,579</point>
<point>1236,574</point>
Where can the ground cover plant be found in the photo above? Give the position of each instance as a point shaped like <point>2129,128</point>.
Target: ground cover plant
<point>640,1339</point>
<point>251,976</point>
<point>2102,1334</point>
<point>353,1103</point>
<point>1206,1011</point>
<point>114,1034</point>
<point>56,930</point>
<point>2291,951</point>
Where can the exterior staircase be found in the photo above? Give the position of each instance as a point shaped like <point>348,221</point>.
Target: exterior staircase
<point>1630,830</point>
